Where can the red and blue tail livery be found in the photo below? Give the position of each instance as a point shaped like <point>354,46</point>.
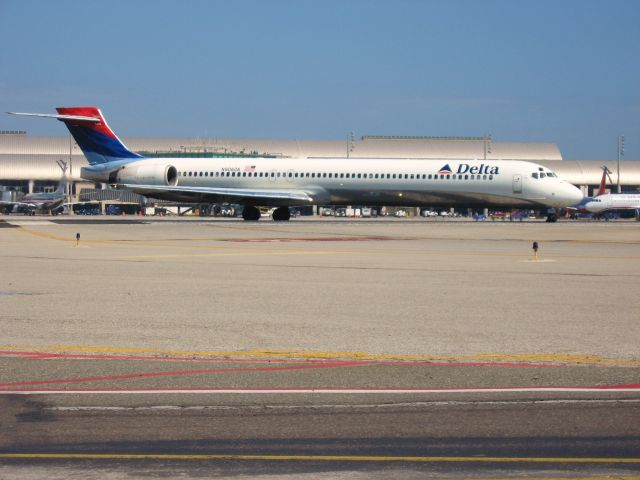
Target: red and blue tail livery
<point>92,134</point>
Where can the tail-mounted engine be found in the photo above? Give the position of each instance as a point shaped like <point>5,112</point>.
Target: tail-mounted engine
<point>146,175</point>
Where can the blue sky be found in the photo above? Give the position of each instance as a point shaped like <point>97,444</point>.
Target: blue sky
<point>559,71</point>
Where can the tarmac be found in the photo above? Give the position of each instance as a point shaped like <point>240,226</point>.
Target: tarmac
<point>376,288</point>
<point>351,332</point>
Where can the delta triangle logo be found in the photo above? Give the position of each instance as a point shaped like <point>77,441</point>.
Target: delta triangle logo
<point>446,170</point>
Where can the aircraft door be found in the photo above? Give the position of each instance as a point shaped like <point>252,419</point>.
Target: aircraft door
<point>517,183</point>
<point>290,176</point>
<point>272,175</point>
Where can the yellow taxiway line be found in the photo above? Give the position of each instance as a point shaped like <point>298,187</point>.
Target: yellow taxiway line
<point>559,358</point>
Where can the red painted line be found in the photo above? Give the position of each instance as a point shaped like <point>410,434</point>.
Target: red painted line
<point>177,373</point>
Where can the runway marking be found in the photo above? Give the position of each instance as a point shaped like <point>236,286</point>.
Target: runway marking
<point>179,373</point>
<point>520,358</point>
<point>634,388</point>
<point>323,458</point>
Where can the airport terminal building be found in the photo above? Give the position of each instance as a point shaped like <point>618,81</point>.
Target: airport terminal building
<point>29,163</point>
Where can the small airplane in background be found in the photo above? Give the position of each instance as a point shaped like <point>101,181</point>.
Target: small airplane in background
<point>580,208</point>
<point>44,202</point>
<point>604,204</point>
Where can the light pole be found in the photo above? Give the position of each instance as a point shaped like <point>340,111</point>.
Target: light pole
<point>487,145</point>
<point>620,154</point>
<point>350,139</point>
<point>70,174</point>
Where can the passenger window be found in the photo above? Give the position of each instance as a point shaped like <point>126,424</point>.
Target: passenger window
<point>490,177</point>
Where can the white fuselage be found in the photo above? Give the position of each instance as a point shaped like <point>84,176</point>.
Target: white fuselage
<point>370,181</point>
<point>614,201</point>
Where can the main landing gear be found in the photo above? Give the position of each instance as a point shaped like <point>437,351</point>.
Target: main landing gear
<point>552,218</point>
<point>281,214</point>
<point>251,213</point>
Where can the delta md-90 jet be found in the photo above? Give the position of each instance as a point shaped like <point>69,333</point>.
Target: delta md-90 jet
<point>286,182</point>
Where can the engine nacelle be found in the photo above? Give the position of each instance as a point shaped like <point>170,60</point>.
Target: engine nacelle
<point>147,174</point>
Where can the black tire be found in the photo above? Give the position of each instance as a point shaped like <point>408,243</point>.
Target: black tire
<point>251,214</point>
<point>281,214</point>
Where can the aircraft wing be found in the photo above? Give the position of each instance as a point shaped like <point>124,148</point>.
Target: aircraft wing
<point>20,204</point>
<point>279,196</point>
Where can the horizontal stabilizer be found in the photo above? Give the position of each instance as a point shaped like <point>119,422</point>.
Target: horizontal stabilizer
<point>77,118</point>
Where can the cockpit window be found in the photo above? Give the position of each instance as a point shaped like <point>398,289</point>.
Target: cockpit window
<point>534,174</point>
<point>542,174</point>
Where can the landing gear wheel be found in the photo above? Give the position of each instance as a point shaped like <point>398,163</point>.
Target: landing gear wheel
<point>552,218</point>
<point>251,214</point>
<point>281,214</point>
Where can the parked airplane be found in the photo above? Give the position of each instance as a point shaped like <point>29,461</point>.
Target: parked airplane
<point>31,203</point>
<point>611,203</point>
<point>615,202</point>
<point>284,182</point>
<point>580,208</point>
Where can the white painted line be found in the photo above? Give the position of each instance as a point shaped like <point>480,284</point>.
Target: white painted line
<point>29,223</point>
<point>262,391</point>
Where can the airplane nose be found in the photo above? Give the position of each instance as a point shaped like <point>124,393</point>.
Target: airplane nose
<point>571,195</point>
<point>576,195</point>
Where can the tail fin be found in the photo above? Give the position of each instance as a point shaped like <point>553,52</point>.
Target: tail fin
<point>62,186</point>
<point>603,182</point>
<point>92,134</point>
